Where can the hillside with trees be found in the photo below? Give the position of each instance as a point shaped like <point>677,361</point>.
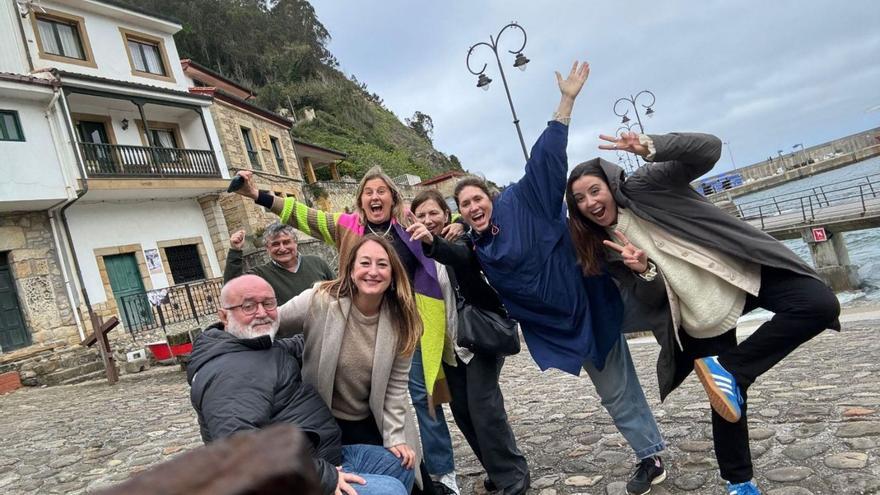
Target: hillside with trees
<point>279,48</point>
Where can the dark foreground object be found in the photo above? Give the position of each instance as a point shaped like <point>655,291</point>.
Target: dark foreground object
<point>273,461</point>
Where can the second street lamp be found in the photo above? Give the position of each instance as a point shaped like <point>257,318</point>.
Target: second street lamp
<point>649,112</point>
<point>520,63</point>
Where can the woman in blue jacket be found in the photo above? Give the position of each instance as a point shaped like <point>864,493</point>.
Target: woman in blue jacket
<point>569,321</point>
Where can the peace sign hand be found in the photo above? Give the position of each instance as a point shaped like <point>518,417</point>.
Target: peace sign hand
<point>628,141</point>
<point>634,258</point>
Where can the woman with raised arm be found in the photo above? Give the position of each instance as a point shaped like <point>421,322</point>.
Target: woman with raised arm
<point>379,211</point>
<point>569,321</point>
<point>477,403</point>
<point>687,271</point>
<point>360,331</point>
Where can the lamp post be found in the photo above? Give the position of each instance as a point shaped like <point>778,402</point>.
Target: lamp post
<point>649,112</point>
<point>628,127</point>
<point>520,63</point>
<point>803,151</point>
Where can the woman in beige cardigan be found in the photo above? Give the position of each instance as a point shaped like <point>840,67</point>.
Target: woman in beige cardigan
<point>360,332</point>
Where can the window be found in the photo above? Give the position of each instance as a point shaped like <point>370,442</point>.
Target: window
<point>251,150</point>
<point>10,126</point>
<point>185,263</point>
<point>146,55</point>
<point>62,37</point>
<point>279,157</point>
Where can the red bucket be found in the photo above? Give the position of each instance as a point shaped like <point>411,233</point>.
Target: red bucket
<point>181,349</point>
<point>160,350</point>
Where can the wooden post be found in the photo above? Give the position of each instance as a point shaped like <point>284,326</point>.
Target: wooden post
<point>99,336</point>
<point>334,173</point>
<point>310,171</point>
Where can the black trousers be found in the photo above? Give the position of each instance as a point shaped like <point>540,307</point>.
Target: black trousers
<point>478,409</point>
<point>804,307</point>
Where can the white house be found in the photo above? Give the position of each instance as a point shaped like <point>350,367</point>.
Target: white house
<point>111,169</point>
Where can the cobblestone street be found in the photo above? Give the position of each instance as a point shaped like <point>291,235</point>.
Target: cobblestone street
<point>815,426</point>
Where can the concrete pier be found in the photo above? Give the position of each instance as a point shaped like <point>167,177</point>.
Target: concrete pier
<point>831,260</point>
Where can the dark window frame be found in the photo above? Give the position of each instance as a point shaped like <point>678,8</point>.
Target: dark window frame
<point>16,120</point>
<point>252,153</point>
<point>279,156</point>
<point>186,274</point>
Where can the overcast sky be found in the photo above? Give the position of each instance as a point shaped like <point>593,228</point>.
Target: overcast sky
<point>761,75</point>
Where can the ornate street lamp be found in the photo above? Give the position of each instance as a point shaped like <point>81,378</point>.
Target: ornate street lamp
<point>649,112</point>
<point>520,63</point>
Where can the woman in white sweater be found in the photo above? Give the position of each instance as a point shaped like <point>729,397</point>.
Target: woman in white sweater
<point>360,332</point>
<point>687,271</point>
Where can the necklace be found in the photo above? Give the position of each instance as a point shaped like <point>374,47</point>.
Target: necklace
<point>383,234</point>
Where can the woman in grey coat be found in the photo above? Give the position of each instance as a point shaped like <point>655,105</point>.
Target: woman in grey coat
<point>687,271</point>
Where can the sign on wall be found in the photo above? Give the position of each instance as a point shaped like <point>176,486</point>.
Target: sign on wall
<point>154,263</point>
<point>819,234</point>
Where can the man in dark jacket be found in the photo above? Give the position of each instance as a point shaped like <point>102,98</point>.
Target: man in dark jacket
<point>242,379</point>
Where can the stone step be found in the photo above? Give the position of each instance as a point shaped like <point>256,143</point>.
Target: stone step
<point>94,375</point>
<point>65,375</point>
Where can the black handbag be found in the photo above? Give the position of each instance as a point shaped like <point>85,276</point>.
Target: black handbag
<point>485,332</point>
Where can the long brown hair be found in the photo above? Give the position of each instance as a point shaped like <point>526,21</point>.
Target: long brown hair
<point>399,296</point>
<point>376,172</point>
<point>586,235</point>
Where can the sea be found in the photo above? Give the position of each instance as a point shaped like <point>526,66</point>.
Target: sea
<point>863,245</point>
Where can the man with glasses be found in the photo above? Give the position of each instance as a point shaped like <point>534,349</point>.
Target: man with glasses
<point>242,378</point>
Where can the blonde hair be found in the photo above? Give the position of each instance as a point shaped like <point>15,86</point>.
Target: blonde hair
<point>376,172</point>
<point>399,297</point>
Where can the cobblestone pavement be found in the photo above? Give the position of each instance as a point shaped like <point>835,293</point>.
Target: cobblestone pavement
<point>815,425</point>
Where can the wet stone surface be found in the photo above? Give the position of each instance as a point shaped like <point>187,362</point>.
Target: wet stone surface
<point>815,428</point>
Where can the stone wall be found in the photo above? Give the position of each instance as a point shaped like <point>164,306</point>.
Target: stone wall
<point>33,261</point>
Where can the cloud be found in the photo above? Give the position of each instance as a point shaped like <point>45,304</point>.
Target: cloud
<point>761,75</point>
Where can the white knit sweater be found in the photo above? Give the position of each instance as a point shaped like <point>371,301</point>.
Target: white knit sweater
<point>708,288</point>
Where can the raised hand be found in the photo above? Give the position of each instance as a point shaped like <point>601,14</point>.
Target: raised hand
<point>236,240</point>
<point>634,258</point>
<point>571,85</point>
<point>418,231</point>
<point>249,189</point>
<point>628,141</point>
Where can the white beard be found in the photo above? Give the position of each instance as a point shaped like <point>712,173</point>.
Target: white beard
<point>249,331</point>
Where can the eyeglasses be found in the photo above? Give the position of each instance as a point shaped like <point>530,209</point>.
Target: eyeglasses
<point>250,307</point>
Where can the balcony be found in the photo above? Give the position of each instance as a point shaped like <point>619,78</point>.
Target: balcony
<point>115,160</point>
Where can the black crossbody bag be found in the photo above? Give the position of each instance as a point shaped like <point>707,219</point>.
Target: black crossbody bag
<point>483,331</point>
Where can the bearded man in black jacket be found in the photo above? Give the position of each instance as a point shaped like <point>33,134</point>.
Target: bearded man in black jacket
<point>241,379</point>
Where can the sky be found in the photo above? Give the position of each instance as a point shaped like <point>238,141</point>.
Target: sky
<point>763,76</point>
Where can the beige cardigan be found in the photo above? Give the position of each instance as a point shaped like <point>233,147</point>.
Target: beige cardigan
<point>321,319</point>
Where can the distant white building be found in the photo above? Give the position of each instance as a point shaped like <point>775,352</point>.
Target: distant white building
<point>407,180</point>
<point>110,169</point>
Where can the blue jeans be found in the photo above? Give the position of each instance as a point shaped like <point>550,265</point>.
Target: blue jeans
<point>436,442</point>
<point>622,396</point>
<point>379,468</point>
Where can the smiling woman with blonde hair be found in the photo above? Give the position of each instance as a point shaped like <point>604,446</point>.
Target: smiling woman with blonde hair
<point>360,331</point>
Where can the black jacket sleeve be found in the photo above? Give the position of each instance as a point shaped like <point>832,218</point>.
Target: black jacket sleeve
<point>294,346</point>
<point>456,255</point>
<point>234,265</point>
<point>328,475</point>
<point>683,157</point>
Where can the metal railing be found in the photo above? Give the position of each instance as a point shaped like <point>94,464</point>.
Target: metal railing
<point>104,160</point>
<point>852,196</point>
<point>162,307</point>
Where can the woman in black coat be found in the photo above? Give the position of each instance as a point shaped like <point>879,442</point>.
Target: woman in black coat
<point>477,404</point>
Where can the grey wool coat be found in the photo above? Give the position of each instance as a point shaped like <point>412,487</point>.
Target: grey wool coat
<point>660,193</point>
<point>322,321</point>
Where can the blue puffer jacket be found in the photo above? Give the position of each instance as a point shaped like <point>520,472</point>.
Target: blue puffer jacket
<point>529,258</point>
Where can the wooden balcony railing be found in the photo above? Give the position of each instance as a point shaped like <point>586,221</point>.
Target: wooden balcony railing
<point>114,160</point>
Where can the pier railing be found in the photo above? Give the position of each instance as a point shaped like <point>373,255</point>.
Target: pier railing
<point>844,197</point>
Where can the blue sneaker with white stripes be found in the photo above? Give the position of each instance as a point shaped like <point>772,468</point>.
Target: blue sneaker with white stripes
<point>721,387</point>
<point>747,488</point>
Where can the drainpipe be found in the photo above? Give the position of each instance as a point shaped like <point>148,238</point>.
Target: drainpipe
<point>85,180</point>
<point>24,40</point>
<point>52,118</point>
